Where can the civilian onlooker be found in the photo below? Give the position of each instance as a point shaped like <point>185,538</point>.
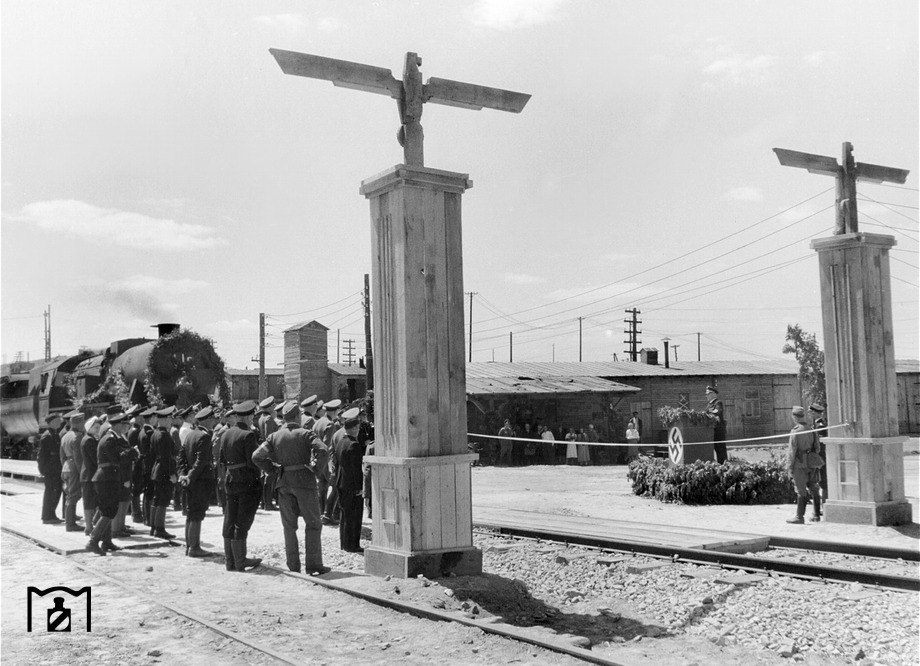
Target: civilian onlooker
<point>632,438</point>
<point>571,449</point>
<point>636,423</point>
<point>526,450</point>
<point>548,447</point>
<point>583,451</point>
<point>504,445</point>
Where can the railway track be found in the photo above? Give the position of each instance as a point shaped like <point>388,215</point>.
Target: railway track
<point>744,562</point>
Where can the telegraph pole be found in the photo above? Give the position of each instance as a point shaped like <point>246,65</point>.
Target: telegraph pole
<point>699,356</point>
<point>633,333</point>
<point>263,384</point>
<point>471,293</point>
<point>674,347</point>
<point>510,346</point>
<point>350,351</point>
<point>338,345</point>
<point>579,338</point>
<point>48,333</point>
<point>368,351</point>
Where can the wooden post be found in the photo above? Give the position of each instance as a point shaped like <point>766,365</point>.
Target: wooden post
<point>422,520</point>
<point>865,464</point>
<point>510,347</point>
<point>263,384</point>
<point>368,348</point>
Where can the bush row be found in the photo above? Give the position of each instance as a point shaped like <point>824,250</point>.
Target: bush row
<point>735,481</point>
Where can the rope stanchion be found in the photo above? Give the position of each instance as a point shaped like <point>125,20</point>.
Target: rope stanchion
<point>651,444</point>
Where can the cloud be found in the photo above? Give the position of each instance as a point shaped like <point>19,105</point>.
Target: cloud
<point>818,58</point>
<point>522,278</point>
<point>739,67</point>
<point>146,297</point>
<point>293,22</point>
<point>511,14</point>
<point>746,193</point>
<point>117,227</point>
<point>236,325</point>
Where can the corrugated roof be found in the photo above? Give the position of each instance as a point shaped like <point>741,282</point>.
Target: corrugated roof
<point>529,385</point>
<point>253,373</point>
<point>347,370</point>
<point>306,324</point>
<point>628,369</point>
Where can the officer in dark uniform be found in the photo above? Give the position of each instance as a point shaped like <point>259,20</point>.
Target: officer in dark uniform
<point>89,444</point>
<point>309,406</point>
<point>175,431</point>
<point>366,440</point>
<point>112,446</point>
<point>325,428</point>
<point>217,437</point>
<point>49,466</point>
<point>126,472</point>
<point>267,426</point>
<point>717,409</point>
<point>146,460</point>
<point>196,471</point>
<point>349,480</point>
<point>162,472</point>
<point>292,451</point>
<point>819,423</point>
<point>241,485</point>
<point>137,473</point>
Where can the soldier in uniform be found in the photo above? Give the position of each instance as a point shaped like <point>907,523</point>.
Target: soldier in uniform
<point>803,472</point>
<point>366,440</point>
<point>146,461</point>
<point>717,409</point>
<point>127,458</point>
<point>819,423</point>
<point>310,406</point>
<point>71,462</point>
<point>134,440</point>
<point>196,471</point>
<point>107,480</point>
<point>292,451</point>
<point>89,444</point>
<point>217,437</point>
<point>267,426</point>
<point>49,466</point>
<point>175,431</point>
<point>162,472</point>
<point>241,486</point>
<point>325,428</point>
<point>348,455</point>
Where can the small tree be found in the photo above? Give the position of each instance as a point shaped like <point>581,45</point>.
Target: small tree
<point>811,362</point>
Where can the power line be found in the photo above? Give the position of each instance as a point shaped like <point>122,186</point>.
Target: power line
<point>890,227</point>
<point>895,277</point>
<point>896,212</point>
<point>889,203</point>
<point>322,307</point>
<point>901,261</point>
<point>896,187</point>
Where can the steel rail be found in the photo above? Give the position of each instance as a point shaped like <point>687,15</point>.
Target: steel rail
<point>863,550</point>
<point>722,559</point>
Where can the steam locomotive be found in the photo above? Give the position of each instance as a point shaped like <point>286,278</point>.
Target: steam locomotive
<point>179,367</point>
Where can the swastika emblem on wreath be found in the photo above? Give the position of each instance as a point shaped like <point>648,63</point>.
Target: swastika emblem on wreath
<point>676,446</point>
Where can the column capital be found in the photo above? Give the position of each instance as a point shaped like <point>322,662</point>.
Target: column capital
<point>844,241</point>
<point>403,174</point>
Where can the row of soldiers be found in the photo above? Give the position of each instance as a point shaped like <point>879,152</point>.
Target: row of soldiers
<point>133,460</point>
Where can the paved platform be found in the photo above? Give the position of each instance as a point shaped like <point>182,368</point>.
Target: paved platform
<point>665,535</point>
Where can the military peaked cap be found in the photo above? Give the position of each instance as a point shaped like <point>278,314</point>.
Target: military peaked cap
<point>166,411</point>
<point>205,413</point>
<point>350,418</point>
<point>288,407</point>
<point>312,400</point>
<point>268,402</point>
<point>798,410</point>
<point>244,408</point>
<point>333,405</point>
<point>118,418</point>
<point>712,388</point>
<point>815,407</point>
<point>150,411</point>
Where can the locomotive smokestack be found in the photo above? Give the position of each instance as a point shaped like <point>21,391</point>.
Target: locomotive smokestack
<point>165,329</point>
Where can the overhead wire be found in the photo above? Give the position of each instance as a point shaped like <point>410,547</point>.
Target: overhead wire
<point>322,307</point>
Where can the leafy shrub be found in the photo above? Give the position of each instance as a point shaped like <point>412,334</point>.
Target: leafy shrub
<point>699,417</point>
<point>735,481</point>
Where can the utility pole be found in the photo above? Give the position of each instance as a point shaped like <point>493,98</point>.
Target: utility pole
<point>554,352</point>
<point>674,347</point>
<point>350,351</point>
<point>368,350</point>
<point>263,384</point>
<point>633,333</point>
<point>48,333</point>
<point>667,353</point>
<point>579,339</point>
<point>510,346</point>
<point>699,356</point>
<point>471,293</point>
<point>338,345</point>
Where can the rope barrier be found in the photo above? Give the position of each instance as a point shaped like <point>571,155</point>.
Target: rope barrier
<point>650,444</point>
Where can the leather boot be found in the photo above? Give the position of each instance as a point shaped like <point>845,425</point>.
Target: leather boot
<point>70,517</point>
<point>800,511</point>
<point>159,520</point>
<point>146,510</point>
<point>228,555</point>
<point>107,539</point>
<point>88,519</point>
<point>313,553</point>
<point>816,501</point>
<point>96,535</point>
<point>194,540</point>
<point>239,556</point>
<point>187,542</point>
<point>136,515</point>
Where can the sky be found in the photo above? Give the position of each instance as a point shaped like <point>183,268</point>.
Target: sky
<point>156,165</point>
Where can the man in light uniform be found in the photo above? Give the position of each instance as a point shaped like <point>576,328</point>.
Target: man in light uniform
<point>804,474</point>
<point>71,463</point>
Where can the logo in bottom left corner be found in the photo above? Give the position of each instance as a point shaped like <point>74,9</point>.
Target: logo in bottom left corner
<point>59,609</point>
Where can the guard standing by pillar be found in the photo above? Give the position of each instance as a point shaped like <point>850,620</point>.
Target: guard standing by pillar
<point>49,466</point>
<point>349,480</point>
<point>819,423</point>
<point>802,466</point>
<point>290,450</point>
<point>196,471</point>
<point>241,486</point>
<point>717,409</point>
<point>162,472</point>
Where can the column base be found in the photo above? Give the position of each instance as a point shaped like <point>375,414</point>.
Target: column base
<point>431,564</point>
<point>867,513</point>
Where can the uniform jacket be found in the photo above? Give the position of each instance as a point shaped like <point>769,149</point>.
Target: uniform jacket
<point>71,455</point>
<point>820,424</point>
<point>89,446</point>
<point>307,422</point>
<point>196,461</point>
<point>348,456</point>
<point>293,449</point>
<point>49,455</point>
<point>267,425</point>
<point>143,445</point>
<point>717,409</point>
<point>127,455</point>
<point>238,443</point>
<point>164,462</point>
<point>323,429</point>
<point>108,458</point>
<point>800,444</point>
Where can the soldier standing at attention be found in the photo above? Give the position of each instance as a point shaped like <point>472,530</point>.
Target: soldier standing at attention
<point>348,455</point>
<point>241,486</point>
<point>127,456</point>
<point>175,431</point>
<point>309,406</point>
<point>717,409</point>
<point>71,462</point>
<point>819,423</point>
<point>134,439</point>
<point>49,466</point>
<point>162,472</point>
<point>289,450</point>
<point>112,446</point>
<point>146,461</point>
<point>331,510</point>
<point>804,475</point>
<point>279,420</point>
<point>89,444</point>
<point>197,477</point>
<point>267,426</point>
<point>217,437</point>
<point>366,441</point>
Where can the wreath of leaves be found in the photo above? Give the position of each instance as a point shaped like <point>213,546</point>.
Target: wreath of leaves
<point>114,387</point>
<point>670,415</point>
<point>185,357</point>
